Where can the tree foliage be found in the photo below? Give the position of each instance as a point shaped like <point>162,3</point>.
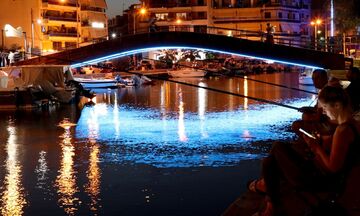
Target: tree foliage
<point>347,16</point>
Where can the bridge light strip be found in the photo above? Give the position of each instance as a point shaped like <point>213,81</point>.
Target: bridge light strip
<point>136,51</point>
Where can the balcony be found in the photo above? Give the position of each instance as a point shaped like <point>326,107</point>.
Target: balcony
<point>61,34</point>
<point>56,31</point>
<point>68,3</point>
<point>69,17</point>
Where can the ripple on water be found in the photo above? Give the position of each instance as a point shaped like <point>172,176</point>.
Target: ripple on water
<point>174,139</point>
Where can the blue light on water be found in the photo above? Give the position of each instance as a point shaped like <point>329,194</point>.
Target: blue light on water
<point>181,138</point>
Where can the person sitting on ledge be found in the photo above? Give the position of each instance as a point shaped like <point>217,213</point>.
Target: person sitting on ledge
<point>313,119</point>
<point>328,165</point>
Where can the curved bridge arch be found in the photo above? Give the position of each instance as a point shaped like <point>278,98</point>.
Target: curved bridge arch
<point>132,44</point>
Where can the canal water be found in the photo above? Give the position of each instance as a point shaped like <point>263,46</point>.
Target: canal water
<point>166,149</point>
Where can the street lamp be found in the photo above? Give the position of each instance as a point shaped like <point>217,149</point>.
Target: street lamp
<point>316,23</point>
<point>142,11</point>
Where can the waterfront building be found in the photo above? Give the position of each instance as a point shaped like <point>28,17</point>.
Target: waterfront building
<point>54,25</point>
<point>290,18</point>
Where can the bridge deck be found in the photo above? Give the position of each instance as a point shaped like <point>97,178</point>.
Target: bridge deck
<point>279,53</point>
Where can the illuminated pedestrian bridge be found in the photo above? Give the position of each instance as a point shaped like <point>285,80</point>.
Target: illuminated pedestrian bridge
<point>139,43</point>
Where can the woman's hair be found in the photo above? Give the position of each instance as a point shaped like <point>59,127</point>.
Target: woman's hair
<point>333,94</point>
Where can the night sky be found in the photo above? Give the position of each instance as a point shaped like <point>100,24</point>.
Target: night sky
<point>115,7</point>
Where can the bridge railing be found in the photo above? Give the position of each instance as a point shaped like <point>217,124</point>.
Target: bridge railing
<point>281,38</point>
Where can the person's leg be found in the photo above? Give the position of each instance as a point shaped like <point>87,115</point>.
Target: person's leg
<point>294,168</point>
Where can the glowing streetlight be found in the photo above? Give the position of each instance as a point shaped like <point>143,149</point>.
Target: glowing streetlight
<point>178,21</point>
<point>142,11</point>
<point>113,35</point>
<point>316,23</point>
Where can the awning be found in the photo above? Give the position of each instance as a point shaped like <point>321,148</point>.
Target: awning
<point>94,17</point>
<point>95,33</point>
<point>289,28</point>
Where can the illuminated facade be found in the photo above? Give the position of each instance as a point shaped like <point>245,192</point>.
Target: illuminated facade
<point>55,25</point>
<point>290,17</point>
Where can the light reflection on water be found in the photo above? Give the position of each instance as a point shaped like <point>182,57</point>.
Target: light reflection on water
<point>93,172</point>
<point>66,179</point>
<point>13,196</point>
<point>175,126</point>
<point>97,167</point>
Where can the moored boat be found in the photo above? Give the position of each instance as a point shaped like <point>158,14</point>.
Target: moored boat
<point>98,83</point>
<point>187,72</point>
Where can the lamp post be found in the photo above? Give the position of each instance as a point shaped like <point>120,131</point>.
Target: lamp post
<point>141,11</point>
<point>316,23</point>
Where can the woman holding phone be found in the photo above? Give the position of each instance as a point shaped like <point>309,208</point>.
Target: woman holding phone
<point>329,163</point>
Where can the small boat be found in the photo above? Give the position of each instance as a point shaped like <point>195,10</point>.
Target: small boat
<point>305,78</point>
<point>187,72</point>
<point>98,83</point>
<point>141,80</point>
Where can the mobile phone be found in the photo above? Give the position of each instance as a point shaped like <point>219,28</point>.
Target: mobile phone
<point>306,133</point>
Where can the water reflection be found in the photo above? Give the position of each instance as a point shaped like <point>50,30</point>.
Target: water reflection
<point>13,197</point>
<point>181,124</point>
<point>246,93</point>
<point>41,171</point>
<point>202,103</point>
<point>171,125</point>
<point>66,179</point>
<point>94,173</point>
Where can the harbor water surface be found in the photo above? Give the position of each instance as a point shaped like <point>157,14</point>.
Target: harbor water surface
<point>166,149</point>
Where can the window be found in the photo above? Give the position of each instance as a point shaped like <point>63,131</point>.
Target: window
<point>57,45</point>
<point>181,16</point>
<point>201,15</point>
<point>70,45</point>
<point>267,14</point>
<point>201,2</point>
<point>280,15</point>
<point>161,16</point>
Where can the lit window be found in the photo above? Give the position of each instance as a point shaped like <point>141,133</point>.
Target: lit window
<point>98,25</point>
<point>161,16</point>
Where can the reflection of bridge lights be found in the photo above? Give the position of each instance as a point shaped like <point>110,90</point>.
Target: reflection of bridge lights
<point>136,51</point>
<point>246,135</point>
<point>202,102</point>
<point>246,92</point>
<point>93,172</point>
<point>181,124</point>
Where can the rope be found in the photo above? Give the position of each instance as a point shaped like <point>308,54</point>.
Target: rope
<point>221,91</point>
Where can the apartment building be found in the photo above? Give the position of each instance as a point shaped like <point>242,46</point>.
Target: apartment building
<point>291,18</point>
<point>54,25</point>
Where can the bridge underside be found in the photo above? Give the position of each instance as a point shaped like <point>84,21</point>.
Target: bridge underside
<point>141,42</point>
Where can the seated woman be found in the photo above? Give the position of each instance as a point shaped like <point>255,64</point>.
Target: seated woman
<point>327,165</point>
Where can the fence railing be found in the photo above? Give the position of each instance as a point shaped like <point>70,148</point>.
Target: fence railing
<point>280,38</point>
